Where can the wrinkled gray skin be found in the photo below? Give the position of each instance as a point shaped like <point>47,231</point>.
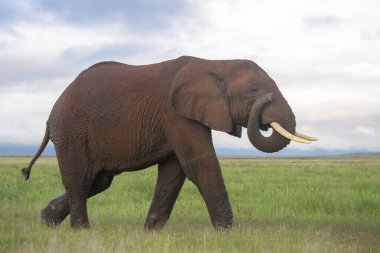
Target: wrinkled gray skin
<point>115,117</point>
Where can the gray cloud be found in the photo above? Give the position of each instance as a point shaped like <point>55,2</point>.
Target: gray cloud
<point>27,70</point>
<point>359,132</point>
<point>110,52</point>
<point>142,13</point>
<point>140,16</point>
<point>371,35</point>
<point>142,19</point>
<point>9,11</point>
<point>136,17</point>
<point>322,21</point>
<point>20,69</point>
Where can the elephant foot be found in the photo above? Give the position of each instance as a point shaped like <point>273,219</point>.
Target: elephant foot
<point>155,222</point>
<point>56,211</point>
<point>220,226</point>
<point>50,218</point>
<point>224,219</point>
<point>81,225</point>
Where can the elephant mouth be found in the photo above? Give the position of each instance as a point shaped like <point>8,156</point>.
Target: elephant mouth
<point>283,129</point>
<point>264,127</point>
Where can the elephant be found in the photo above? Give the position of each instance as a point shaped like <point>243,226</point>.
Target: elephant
<point>116,117</point>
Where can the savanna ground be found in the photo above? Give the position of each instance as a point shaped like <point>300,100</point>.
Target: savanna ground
<point>280,205</point>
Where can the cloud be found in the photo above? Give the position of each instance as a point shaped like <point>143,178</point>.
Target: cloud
<point>33,52</point>
<point>318,54</point>
<point>364,130</point>
<point>9,11</point>
<point>140,16</point>
<point>23,116</point>
<point>145,15</point>
<point>322,21</point>
<point>52,40</point>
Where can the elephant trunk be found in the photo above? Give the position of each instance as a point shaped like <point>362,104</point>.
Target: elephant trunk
<point>275,141</point>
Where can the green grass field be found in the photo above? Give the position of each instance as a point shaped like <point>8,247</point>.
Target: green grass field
<point>280,205</point>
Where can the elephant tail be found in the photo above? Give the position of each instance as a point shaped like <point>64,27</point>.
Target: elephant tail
<point>26,171</point>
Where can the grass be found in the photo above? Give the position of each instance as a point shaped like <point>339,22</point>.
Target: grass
<point>280,205</point>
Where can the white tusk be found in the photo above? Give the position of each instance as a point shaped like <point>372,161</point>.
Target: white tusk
<point>309,138</point>
<point>286,134</point>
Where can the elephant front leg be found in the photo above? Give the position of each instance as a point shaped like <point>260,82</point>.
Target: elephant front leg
<point>169,183</point>
<point>197,157</point>
<point>207,177</point>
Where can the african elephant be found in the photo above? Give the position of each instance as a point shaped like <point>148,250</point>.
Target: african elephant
<point>116,117</point>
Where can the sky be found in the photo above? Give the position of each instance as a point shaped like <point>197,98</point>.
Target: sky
<point>323,54</point>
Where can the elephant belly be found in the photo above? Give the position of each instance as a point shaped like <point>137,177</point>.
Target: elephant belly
<point>126,164</point>
<point>131,152</point>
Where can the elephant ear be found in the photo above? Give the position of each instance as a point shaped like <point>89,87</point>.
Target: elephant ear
<point>198,93</point>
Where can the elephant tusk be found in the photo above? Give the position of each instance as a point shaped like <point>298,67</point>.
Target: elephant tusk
<point>286,134</point>
<point>309,138</point>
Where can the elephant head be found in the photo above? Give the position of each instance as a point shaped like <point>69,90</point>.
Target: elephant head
<point>226,95</point>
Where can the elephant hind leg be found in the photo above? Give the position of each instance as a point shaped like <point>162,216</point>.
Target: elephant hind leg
<point>58,209</point>
<point>169,183</point>
<point>78,208</point>
<point>78,199</point>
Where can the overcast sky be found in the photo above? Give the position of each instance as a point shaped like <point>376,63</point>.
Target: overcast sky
<point>324,56</point>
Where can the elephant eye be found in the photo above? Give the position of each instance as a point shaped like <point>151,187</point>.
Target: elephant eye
<point>254,88</point>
